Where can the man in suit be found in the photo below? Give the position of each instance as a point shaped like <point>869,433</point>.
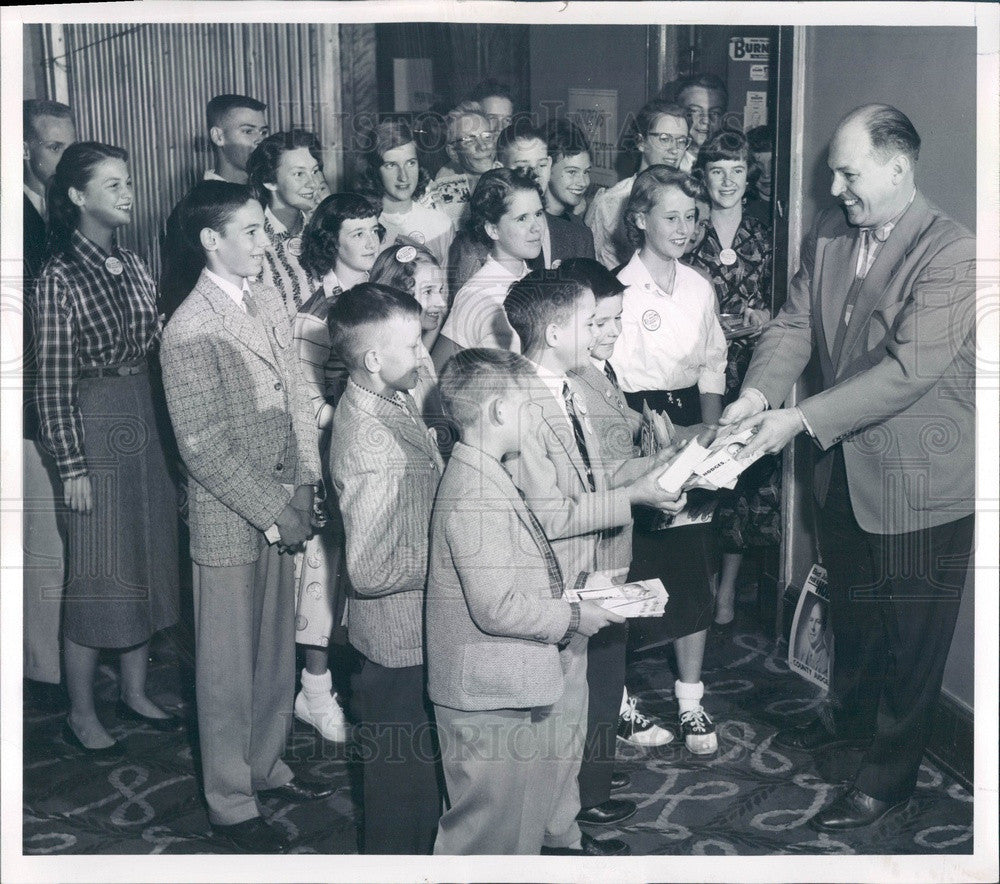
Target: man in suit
<point>245,429</point>
<point>885,293</point>
<point>559,467</point>
<point>521,146</point>
<point>496,618</point>
<point>48,131</point>
<point>385,466</point>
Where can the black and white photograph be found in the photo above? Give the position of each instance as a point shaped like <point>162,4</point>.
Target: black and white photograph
<point>346,351</point>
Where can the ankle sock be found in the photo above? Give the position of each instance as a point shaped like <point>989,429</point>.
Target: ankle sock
<point>317,689</point>
<point>688,694</point>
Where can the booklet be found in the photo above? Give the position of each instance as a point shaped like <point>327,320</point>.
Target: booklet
<point>642,598</point>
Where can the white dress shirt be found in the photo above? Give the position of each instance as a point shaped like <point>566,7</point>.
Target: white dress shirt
<point>234,291</point>
<point>669,341</point>
<point>477,317</point>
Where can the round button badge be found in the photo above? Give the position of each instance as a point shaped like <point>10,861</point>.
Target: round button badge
<point>113,265</point>
<point>651,320</point>
<point>727,257</point>
<point>406,254</point>
<point>294,246</point>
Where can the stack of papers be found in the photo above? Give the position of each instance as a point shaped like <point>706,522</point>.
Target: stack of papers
<point>643,598</point>
<point>709,461</point>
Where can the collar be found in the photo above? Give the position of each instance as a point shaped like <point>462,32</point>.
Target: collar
<point>881,234</point>
<point>483,463</point>
<point>90,251</point>
<point>636,273</point>
<point>36,199</point>
<point>377,403</point>
<point>234,292</point>
<point>276,226</point>
<point>553,382</point>
<point>497,269</point>
<point>212,175</point>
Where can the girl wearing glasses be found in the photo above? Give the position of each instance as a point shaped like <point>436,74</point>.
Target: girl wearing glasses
<point>285,170</point>
<point>736,254</point>
<point>393,178</point>
<point>661,138</point>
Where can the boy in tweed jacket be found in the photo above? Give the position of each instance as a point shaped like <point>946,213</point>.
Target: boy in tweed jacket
<point>386,467</point>
<point>244,429</point>
<point>496,620</point>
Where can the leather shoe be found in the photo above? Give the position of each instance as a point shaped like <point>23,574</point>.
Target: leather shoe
<point>853,810</point>
<point>114,751</point>
<point>614,810</point>
<point>620,781</point>
<point>298,789</point>
<point>591,847</point>
<point>163,725</point>
<point>253,836</point>
<point>814,737</point>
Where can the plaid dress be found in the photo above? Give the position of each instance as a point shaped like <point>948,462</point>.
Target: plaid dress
<point>122,576</point>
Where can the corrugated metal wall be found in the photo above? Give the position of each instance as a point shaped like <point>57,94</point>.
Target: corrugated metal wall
<point>144,88</point>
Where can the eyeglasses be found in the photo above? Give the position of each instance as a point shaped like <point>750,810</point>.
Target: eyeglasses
<point>670,141</point>
<point>469,141</point>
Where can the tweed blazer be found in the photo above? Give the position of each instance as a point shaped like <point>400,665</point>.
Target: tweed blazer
<point>385,467</point>
<point>241,415</point>
<point>615,425</point>
<point>553,478</point>
<point>492,622</point>
<point>900,393</point>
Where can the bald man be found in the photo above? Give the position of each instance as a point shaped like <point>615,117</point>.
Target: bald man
<point>886,294</point>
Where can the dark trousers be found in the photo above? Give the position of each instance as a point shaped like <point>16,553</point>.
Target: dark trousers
<point>400,757</point>
<point>893,604</point>
<point>605,682</point>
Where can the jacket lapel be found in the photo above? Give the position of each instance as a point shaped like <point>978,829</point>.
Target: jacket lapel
<point>883,269</point>
<point>249,331</point>
<point>836,276</point>
<point>561,428</point>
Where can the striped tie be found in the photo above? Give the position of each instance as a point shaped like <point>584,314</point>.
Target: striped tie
<point>578,434</point>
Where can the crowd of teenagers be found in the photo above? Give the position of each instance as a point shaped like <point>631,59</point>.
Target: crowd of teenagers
<point>413,408</point>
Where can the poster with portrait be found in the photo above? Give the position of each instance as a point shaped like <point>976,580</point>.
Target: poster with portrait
<point>810,647</point>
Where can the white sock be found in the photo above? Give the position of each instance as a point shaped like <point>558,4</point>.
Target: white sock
<point>317,688</point>
<point>688,694</point>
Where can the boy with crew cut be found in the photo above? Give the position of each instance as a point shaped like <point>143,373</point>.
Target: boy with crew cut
<point>236,125</point>
<point>496,621</point>
<point>559,468</point>
<point>385,468</point>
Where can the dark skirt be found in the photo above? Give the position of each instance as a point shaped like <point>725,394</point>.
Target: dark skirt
<point>685,559</point>
<point>749,516</point>
<point>122,567</point>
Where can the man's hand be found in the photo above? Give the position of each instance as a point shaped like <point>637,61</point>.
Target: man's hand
<point>756,318</point>
<point>742,409</point>
<point>78,495</point>
<point>294,526</point>
<point>593,618</point>
<point>773,430</point>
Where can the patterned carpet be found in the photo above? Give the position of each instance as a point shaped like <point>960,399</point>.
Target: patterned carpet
<point>749,799</point>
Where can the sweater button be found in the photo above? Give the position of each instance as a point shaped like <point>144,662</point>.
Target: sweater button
<point>277,386</point>
<point>279,467</point>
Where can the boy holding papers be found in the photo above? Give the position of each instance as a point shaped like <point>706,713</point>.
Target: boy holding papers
<point>496,620</point>
<point>559,468</point>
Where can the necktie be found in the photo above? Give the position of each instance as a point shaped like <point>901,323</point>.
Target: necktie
<point>610,374</point>
<point>248,305</point>
<point>542,542</point>
<point>581,444</point>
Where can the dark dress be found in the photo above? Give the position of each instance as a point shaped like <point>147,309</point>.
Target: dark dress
<point>122,565</point>
<point>750,514</point>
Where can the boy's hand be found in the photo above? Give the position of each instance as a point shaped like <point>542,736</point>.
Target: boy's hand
<point>295,527</point>
<point>593,618</point>
<point>646,490</point>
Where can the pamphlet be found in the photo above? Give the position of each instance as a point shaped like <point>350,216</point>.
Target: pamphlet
<point>642,598</point>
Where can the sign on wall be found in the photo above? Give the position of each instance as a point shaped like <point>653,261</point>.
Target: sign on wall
<point>595,111</point>
<point>748,74</point>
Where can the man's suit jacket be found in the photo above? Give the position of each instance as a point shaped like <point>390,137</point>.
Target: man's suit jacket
<point>492,621</point>
<point>385,467</point>
<point>553,477</point>
<point>35,249</point>
<point>242,419</point>
<point>615,425</point>
<point>36,253</point>
<point>900,395</point>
